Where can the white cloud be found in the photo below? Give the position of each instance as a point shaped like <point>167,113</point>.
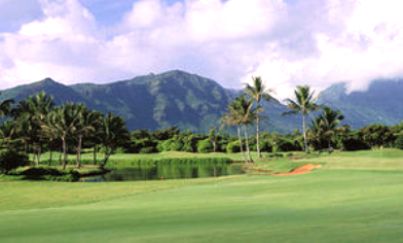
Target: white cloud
<point>286,42</point>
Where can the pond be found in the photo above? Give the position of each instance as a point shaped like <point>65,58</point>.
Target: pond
<point>163,171</point>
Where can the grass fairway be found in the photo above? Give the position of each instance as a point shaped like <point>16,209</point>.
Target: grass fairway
<point>354,197</point>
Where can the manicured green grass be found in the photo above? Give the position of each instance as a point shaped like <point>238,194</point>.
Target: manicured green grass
<point>336,203</point>
<point>377,160</point>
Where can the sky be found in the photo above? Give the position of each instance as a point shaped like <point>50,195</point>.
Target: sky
<point>286,42</point>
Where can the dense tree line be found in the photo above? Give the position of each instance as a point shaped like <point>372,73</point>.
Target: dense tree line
<point>323,134</point>
<point>36,125</point>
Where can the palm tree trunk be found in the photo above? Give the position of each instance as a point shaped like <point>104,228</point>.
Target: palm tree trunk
<point>61,157</point>
<point>258,137</point>
<point>39,153</point>
<point>304,133</point>
<point>50,157</point>
<point>35,155</point>
<point>240,143</point>
<point>34,160</point>
<point>78,160</point>
<point>247,144</point>
<point>106,158</point>
<point>64,153</point>
<point>95,154</point>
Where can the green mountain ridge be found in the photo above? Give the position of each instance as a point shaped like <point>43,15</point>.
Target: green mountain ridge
<point>190,101</point>
<point>154,101</point>
<point>380,103</point>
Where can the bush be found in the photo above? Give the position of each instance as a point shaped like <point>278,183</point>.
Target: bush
<point>204,146</point>
<point>170,145</point>
<point>276,155</point>
<point>377,135</point>
<point>190,143</point>
<point>286,145</point>
<point>354,143</point>
<point>399,142</point>
<point>120,150</point>
<point>148,150</point>
<point>233,147</point>
<point>10,159</point>
<point>265,146</point>
<point>138,144</point>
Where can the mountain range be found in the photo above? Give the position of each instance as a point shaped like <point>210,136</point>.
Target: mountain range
<point>189,101</point>
<point>381,103</point>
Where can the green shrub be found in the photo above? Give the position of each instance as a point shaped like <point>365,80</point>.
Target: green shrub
<point>204,146</point>
<point>190,143</point>
<point>139,143</point>
<point>276,155</point>
<point>399,142</point>
<point>354,143</point>
<point>285,145</point>
<point>265,146</point>
<point>10,159</point>
<point>120,150</point>
<point>233,147</point>
<point>170,145</point>
<point>148,150</point>
<point>377,135</point>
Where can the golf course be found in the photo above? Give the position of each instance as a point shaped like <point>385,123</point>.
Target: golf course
<point>349,197</point>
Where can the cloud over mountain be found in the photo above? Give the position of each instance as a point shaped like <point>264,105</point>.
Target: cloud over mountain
<point>288,42</point>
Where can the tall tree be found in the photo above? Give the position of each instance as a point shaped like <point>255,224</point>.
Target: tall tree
<point>7,130</point>
<point>303,104</point>
<point>62,123</point>
<point>32,113</point>
<point>377,135</point>
<point>241,114</point>
<point>114,134</point>
<point>5,107</point>
<point>258,93</point>
<point>86,124</point>
<point>8,134</point>
<point>213,137</point>
<point>94,137</point>
<point>326,126</point>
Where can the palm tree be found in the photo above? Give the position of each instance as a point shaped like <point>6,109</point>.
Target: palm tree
<point>231,119</point>
<point>94,138</point>
<point>213,137</point>
<point>8,133</point>
<point>62,123</point>
<point>327,125</point>
<point>7,130</point>
<point>114,134</point>
<point>32,112</point>
<point>5,107</point>
<point>258,92</point>
<point>304,104</point>
<point>86,124</point>
<point>241,114</point>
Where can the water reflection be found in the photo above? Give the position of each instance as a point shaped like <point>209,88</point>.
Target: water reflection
<point>162,171</point>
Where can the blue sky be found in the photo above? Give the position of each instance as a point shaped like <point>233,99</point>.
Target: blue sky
<point>287,42</point>
<point>17,12</point>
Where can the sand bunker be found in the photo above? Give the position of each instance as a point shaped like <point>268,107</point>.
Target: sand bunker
<point>300,170</point>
